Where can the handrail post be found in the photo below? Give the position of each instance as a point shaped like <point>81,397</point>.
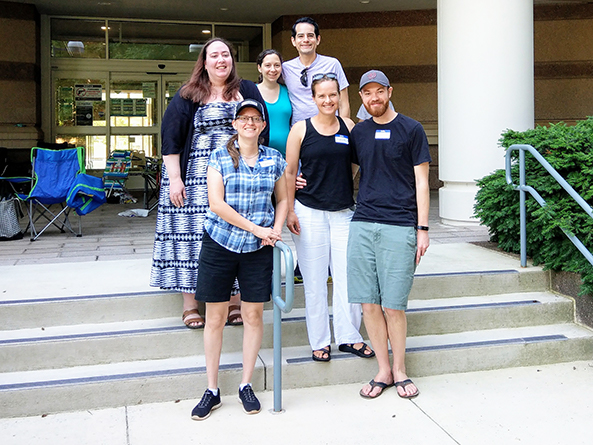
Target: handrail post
<point>279,307</point>
<point>523,218</point>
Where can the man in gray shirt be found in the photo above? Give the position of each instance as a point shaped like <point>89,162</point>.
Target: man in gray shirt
<point>299,71</point>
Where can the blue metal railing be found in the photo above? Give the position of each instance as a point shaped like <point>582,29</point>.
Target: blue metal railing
<point>522,187</point>
<point>280,306</point>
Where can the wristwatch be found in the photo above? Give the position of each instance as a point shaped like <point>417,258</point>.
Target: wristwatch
<point>422,228</point>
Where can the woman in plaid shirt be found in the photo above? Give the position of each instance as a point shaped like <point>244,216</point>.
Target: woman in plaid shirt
<point>240,229</point>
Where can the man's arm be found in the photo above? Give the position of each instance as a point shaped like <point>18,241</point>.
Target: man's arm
<point>344,110</point>
<point>423,205</point>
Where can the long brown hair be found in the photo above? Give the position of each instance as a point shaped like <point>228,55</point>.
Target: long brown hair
<point>198,88</point>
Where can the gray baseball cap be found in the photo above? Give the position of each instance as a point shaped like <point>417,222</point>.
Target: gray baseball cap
<point>250,103</point>
<point>373,76</point>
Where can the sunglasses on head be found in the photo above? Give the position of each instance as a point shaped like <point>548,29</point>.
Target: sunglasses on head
<point>320,76</point>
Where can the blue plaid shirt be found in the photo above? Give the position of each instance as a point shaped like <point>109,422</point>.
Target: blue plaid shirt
<point>248,190</point>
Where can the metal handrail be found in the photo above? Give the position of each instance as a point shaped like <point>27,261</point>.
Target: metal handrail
<point>280,306</point>
<point>522,187</point>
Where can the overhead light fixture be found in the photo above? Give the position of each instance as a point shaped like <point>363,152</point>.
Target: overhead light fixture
<point>365,2</point>
<point>224,9</point>
<point>104,28</point>
<point>206,31</point>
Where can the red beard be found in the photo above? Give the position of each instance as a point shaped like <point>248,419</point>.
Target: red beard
<point>378,110</point>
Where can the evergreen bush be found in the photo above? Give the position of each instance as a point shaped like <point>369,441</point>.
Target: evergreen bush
<point>569,149</point>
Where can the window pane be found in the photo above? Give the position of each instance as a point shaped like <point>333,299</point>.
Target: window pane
<point>80,102</point>
<point>156,41</point>
<point>133,103</point>
<point>141,143</point>
<point>78,38</point>
<point>95,147</point>
<point>248,40</point>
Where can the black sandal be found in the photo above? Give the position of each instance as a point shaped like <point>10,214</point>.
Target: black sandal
<point>349,347</point>
<point>326,350</point>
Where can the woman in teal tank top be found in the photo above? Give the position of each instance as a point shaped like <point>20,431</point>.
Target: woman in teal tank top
<point>275,94</point>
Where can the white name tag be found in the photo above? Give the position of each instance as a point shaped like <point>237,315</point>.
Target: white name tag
<point>383,134</point>
<point>341,139</point>
<point>266,162</point>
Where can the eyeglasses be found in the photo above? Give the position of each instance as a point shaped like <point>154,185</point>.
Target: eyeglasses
<point>255,119</point>
<point>304,77</point>
<point>320,76</point>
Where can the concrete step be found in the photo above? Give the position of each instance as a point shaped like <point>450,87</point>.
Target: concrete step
<point>143,381</point>
<point>115,307</point>
<point>97,343</point>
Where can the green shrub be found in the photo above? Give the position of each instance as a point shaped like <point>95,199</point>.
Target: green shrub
<point>569,149</point>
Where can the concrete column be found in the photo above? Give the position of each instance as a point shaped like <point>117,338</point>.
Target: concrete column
<point>485,85</point>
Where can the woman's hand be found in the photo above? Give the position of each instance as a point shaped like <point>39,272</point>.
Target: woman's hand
<point>268,235</point>
<point>292,222</point>
<point>301,182</point>
<point>177,192</point>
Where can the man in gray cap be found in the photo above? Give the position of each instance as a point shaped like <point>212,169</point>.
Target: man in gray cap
<point>389,230</point>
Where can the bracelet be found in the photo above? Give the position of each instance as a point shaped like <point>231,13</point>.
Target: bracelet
<point>422,228</point>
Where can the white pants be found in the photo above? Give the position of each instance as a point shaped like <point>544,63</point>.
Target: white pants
<point>323,242</point>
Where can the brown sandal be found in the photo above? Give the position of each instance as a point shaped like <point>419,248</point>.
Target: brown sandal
<point>192,319</point>
<point>234,315</point>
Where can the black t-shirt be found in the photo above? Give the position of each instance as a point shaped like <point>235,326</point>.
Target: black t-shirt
<point>326,164</point>
<point>387,155</point>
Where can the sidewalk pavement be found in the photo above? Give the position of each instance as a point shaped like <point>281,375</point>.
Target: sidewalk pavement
<point>534,405</point>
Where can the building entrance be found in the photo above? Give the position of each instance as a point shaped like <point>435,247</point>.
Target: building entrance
<point>113,110</point>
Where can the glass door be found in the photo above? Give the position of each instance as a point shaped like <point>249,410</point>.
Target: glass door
<point>129,120</point>
<point>135,112</point>
<point>80,114</point>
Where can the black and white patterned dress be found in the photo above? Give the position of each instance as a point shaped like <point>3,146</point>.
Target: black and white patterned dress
<point>178,238</point>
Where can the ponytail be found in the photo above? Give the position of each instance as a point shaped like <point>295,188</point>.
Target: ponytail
<point>233,150</point>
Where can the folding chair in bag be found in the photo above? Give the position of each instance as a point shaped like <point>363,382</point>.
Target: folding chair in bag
<point>54,172</point>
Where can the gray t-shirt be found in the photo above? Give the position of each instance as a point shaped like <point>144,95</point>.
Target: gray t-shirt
<point>301,100</point>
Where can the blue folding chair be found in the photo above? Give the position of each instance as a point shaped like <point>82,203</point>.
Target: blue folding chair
<point>54,173</point>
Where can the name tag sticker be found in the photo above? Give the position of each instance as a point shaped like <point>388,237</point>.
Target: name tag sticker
<point>341,139</point>
<point>383,134</point>
<point>266,162</point>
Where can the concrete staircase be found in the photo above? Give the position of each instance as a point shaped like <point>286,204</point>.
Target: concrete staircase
<point>83,352</point>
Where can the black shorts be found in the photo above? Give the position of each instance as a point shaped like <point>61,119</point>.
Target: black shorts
<point>218,268</point>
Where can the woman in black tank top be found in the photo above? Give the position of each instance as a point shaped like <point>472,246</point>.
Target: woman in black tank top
<point>319,219</point>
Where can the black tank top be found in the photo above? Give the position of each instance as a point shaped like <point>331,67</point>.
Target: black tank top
<point>326,164</point>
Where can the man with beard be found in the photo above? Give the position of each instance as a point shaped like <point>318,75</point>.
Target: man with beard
<point>389,230</point>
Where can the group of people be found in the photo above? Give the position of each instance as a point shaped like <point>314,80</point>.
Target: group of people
<point>241,159</point>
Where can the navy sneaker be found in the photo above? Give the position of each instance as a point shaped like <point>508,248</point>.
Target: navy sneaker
<point>250,403</point>
<point>208,403</point>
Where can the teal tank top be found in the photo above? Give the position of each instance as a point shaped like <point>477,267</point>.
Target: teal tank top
<point>279,114</point>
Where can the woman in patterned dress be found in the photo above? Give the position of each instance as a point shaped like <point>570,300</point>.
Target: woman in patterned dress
<point>197,121</point>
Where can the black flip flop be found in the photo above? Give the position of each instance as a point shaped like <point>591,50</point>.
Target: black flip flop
<point>403,384</point>
<point>349,347</point>
<point>374,385</point>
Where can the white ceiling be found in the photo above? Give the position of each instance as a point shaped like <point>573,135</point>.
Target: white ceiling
<point>238,11</point>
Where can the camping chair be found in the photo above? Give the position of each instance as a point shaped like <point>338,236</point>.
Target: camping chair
<point>117,170</point>
<point>54,172</point>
